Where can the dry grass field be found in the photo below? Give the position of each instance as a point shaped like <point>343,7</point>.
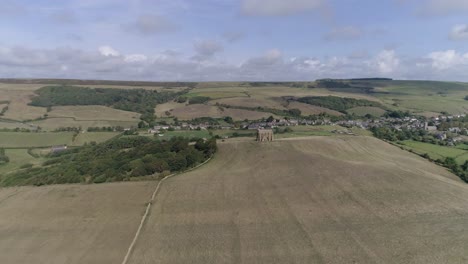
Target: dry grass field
<point>315,200</point>
<point>71,224</point>
<point>93,113</point>
<point>19,96</point>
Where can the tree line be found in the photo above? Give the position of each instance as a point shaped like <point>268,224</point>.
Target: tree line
<point>136,100</point>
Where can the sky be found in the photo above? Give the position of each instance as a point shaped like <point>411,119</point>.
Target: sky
<point>234,40</point>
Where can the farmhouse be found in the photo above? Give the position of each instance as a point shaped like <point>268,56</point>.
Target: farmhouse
<point>264,135</point>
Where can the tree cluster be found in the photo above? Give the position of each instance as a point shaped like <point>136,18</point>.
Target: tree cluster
<point>115,160</point>
<point>340,104</point>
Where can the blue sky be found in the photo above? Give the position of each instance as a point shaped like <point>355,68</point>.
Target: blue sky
<point>224,40</point>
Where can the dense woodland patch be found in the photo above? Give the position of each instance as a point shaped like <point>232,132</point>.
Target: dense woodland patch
<point>115,160</point>
<point>135,100</point>
<point>340,104</point>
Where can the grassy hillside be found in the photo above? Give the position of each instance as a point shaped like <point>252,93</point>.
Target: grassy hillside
<point>293,201</point>
<point>71,224</point>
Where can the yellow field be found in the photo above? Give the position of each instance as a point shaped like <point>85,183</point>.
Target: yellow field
<point>71,224</point>
<point>19,96</point>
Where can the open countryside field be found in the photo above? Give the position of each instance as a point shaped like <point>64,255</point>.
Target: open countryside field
<point>19,95</point>
<point>34,140</point>
<point>87,137</point>
<point>425,96</point>
<point>315,200</point>
<point>51,124</point>
<point>27,140</point>
<point>18,158</point>
<point>70,224</point>
<point>364,110</point>
<point>436,151</point>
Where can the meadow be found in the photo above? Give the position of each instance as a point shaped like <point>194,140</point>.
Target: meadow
<point>460,154</point>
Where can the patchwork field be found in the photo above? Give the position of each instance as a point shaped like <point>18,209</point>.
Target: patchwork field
<point>70,224</point>
<point>315,200</point>
<point>436,151</point>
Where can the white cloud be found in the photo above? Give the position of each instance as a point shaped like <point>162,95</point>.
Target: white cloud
<point>387,61</point>
<point>344,33</point>
<point>135,58</point>
<point>108,51</point>
<point>279,7</point>
<point>273,65</point>
<point>442,60</point>
<point>459,32</point>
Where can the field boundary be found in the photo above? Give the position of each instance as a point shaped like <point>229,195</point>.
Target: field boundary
<point>148,207</point>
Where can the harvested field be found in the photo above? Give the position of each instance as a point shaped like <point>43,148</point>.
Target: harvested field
<point>70,224</point>
<point>19,96</point>
<point>315,200</point>
<point>198,110</point>
<point>93,113</point>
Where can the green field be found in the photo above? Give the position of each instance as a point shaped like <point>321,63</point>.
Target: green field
<point>88,137</point>
<point>436,151</point>
<point>29,140</point>
<point>18,158</point>
<point>364,110</point>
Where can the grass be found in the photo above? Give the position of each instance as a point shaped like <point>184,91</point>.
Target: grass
<point>436,151</point>
<point>304,131</point>
<point>308,201</point>
<point>364,110</point>
<point>18,158</point>
<point>97,137</point>
<point>31,140</point>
